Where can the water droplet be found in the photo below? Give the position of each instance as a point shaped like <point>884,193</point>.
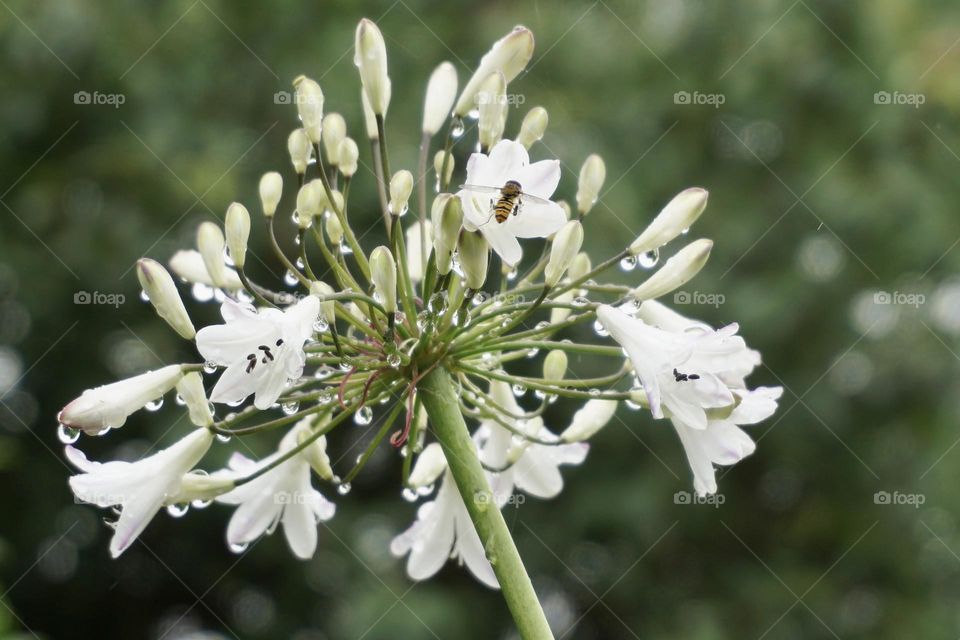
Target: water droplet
<point>425,490</point>
<point>393,360</point>
<point>346,249</point>
<point>410,495</point>
<point>179,400</point>
<point>154,405</point>
<point>600,330</point>
<point>321,325</point>
<point>290,278</point>
<point>299,263</point>
<point>177,510</point>
<point>103,432</point>
<point>519,390</point>
<point>543,324</point>
<point>67,435</point>
<point>594,392</point>
<point>201,292</point>
<point>290,408</point>
<point>238,547</point>
<point>457,129</point>
<point>580,301</point>
<point>323,372</point>
<point>479,298</point>
<point>344,488</point>
<point>512,275</point>
<point>629,263</point>
<point>144,296</point>
<point>438,302</point>
<point>532,353</point>
<point>325,397</point>
<point>649,259</point>
<point>363,416</point>
<point>209,366</point>
<point>633,406</point>
<point>462,318</point>
<point>222,437</point>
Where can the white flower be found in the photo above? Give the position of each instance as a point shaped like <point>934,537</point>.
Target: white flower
<point>282,495</point>
<point>108,406</point>
<point>508,160</point>
<point>139,488</point>
<point>443,530</point>
<point>261,349</point>
<point>531,467</point>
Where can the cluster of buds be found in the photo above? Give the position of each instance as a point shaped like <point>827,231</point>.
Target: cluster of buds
<point>354,332</point>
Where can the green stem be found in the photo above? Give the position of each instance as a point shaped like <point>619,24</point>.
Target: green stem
<point>452,433</point>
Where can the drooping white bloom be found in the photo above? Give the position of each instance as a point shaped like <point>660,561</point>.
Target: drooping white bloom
<point>676,272</point>
<point>443,530</point>
<point>282,495</point>
<point>536,217</point>
<point>163,295</point>
<point>261,349</point>
<point>589,419</point>
<point>138,488</point>
<point>675,218</point>
<point>188,264</point>
<point>108,406</point>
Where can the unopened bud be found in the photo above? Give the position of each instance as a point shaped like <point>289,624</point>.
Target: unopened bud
<point>163,295</point>
<point>211,244</point>
<point>334,131</point>
<point>309,99</point>
<point>492,105</point>
<point>349,155</point>
<point>383,273</point>
<point>559,314</point>
<point>309,202</point>
<point>331,207</point>
<point>191,391</point>
<point>674,219</point>
<point>271,189</point>
<point>237,227</point>
<point>592,174</point>
<point>533,127</point>
<point>298,146</point>
<point>430,464</point>
<point>580,266</point>
<point>334,230</point>
<point>447,231</point>
<point>370,56</point>
<point>444,173</point>
<point>682,266</point>
<point>474,255</point>
<point>316,452</point>
<point>328,308</point>
<point>415,251</point>
<point>563,250</point>
<point>508,56</point>
<point>401,186</point>
<point>441,92</point>
<point>591,418</point>
<point>555,366</point>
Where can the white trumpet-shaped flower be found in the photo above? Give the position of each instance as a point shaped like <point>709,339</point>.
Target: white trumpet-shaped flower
<point>532,217</point>
<point>283,495</point>
<point>261,349</point>
<point>138,488</point>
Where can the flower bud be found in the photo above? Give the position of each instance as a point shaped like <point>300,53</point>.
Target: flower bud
<point>309,202</point>
<point>237,227</point>
<point>328,207</point>
<point>370,56</point>
<point>444,174</point>
<point>441,92</point>
<point>334,131</point>
<point>271,189</point>
<point>349,155</point>
<point>533,127</point>
<point>191,391</point>
<point>563,250</point>
<point>474,255</point>
<point>492,104</point>
<point>675,218</point>
<point>430,464</point>
<point>189,266</point>
<point>555,366</point>
<point>415,252</point>
<point>594,415</point>
<point>383,272</point>
<point>592,174</point>
<point>682,266</point>
<point>369,117</point>
<point>509,56</point>
<point>316,451</point>
<point>309,98</point>
<point>109,406</point>
<point>211,244</point>
<point>580,266</point>
<point>401,185</point>
<point>559,314</point>
<point>328,308</point>
<point>447,231</point>
<point>334,230</point>
<point>298,146</point>
<point>163,295</point>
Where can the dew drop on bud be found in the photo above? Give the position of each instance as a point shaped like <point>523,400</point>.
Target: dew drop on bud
<point>289,278</point>
<point>238,547</point>
<point>144,296</point>
<point>201,292</point>
<point>600,330</point>
<point>363,416</point>
<point>154,405</point>
<point>201,504</point>
<point>649,259</point>
<point>519,390</point>
<point>178,399</point>
<point>410,495</point>
<point>457,130</point>
<point>209,366</point>
<point>222,437</point>
<point>343,488</point>
<point>629,263</point>
<point>67,435</point>
<point>290,408</point>
<point>177,510</point>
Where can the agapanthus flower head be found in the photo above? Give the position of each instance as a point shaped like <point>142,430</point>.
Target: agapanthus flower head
<point>427,332</point>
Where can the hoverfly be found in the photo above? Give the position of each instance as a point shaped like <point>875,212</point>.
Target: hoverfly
<point>509,201</point>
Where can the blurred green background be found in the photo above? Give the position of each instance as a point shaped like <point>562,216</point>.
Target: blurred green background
<point>833,209</point>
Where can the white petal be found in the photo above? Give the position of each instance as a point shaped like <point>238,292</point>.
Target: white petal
<point>756,405</point>
<point>228,343</point>
<point>300,528</point>
<point>235,384</point>
<point>135,516</point>
<point>503,242</point>
<point>540,178</point>
<point>536,220</point>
